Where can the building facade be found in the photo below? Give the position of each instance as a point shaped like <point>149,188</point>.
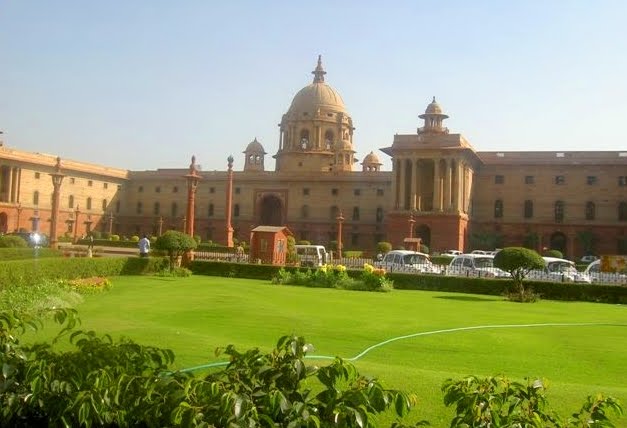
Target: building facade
<point>440,189</point>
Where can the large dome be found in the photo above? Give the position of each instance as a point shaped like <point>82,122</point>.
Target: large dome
<point>317,95</point>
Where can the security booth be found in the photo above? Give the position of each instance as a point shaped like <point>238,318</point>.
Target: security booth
<point>268,244</point>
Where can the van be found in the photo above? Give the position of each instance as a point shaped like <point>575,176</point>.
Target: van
<point>312,255</point>
<point>407,261</point>
<point>479,265</point>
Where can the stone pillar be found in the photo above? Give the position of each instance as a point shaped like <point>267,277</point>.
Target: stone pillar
<point>412,185</point>
<point>76,214</point>
<point>447,185</point>
<point>10,185</point>
<point>468,188</point>
<point>192,183</point>
<point>437,199</point>
<point>401,184</point>
<point>458,186</point>
<point>57,179</point>
<point>229,202</point>
<point>110,225</point>
<point>340,220</point>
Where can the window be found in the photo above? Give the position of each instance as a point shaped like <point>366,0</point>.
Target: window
<point>212,190</point>
<point>622,211</point>
<point>559,211</point>
<point>174,209</point>
<point>499,179</point>
<point>237,190</point>
<point>236,210</point>
<point>306,191</point>
<point>156,209</point>
<point>334,191</point>
<point>379,192</point>
<point>528,209</point>
<point>498,208</point>
<point>590,211</point>
<point>529,179</point>
<point>158,189</point>
<point>304,211</point>
<point>356,213</point>
<point>104,204</point>
<point>379,215</point>
<point>140,189</point>
<point>559,179</point>
<point>88,203</point>
<point>622,180</point>
<point>210,212</point>
<point>140,207</point>
<point>70,201</point>
<point>36,197</point>
<point>175,189</point>
<point>90,183</point>
<point>37,175</point>
<point>357,192</point>
<point>591,180</point>
<point>105,185</point>
<point>72,180</point>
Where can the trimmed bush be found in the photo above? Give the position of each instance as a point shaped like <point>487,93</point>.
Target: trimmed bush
<point>554,253</point>
<point>384,247</point>
<point>12,241</point>
<point>7,254</point>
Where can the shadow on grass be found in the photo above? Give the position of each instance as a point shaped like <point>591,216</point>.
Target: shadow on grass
<point>469,298</point>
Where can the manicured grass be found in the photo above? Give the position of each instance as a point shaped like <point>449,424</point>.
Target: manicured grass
<point>195,315</point>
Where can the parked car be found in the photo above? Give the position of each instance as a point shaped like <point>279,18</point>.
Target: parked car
<point>594,272</point>
<point>559,270</point>
<point>451,253</point>
<point>312,255</point>
<point>408,261</point>
<point>479,265</point>
<point>33,239</point>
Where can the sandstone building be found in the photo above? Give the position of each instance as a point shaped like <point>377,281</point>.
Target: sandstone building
<point>450,195</point>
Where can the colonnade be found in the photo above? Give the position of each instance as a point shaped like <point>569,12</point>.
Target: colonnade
<point>9,183</point>
<point>432,184</point>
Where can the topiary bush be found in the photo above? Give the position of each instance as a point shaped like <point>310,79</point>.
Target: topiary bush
<point>175,244</point>
<point>384,247</point>
<point>518,262</point>
<point>12,241</point>
<point>554,253</point>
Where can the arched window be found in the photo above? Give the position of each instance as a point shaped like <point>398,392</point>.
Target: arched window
<point>304,211</point>
<point>104,204</point>
<point>236,210</point>
<point>379,216</point>
<point>70,201</point>
<point>355,213</point>
<point>590,211</point>
<point>156,209</point>
<point>328,140</point>
<point>304,139</point>
<point>88,203</point>
<point>622,211</point>
<point>210,213</point>
<point>528,209</point>
<point>334,212</point>
<point>559,211</point>
<point>140,207</point>
<point>251,159</point>
<point>36,197</point>
<point>174,210</point>
<point>498,208</point>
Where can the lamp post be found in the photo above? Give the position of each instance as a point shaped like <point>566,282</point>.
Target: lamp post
<point>192,178</point>
<point>57,179</point>
<point>340,220</point>
<point>110,225</point>
<point>19,212</point>
<point>411,223</point>
<point>160,225</point>
<point>229,203</point>
<point>76,213</point>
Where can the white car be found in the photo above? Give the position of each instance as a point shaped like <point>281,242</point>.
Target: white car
<point>477,265</point>
<point>594,272</point>
<point>588,259</point>
<point>559,270</point>
<point>408,262</point>
<point>451,253</point>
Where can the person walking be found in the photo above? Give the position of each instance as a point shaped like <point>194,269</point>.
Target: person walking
<point>144,246</point>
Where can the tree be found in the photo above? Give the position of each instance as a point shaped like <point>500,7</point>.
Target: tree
<point>384,247</point>
<point>518,261</point>
<point>175,244</point>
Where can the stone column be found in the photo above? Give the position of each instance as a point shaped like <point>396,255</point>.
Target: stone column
<point>401,184</point>
<point>192,183</point>
<point>57,179</point>
<point>229,203</point>
<point>468,188</point>
<point>10,185</point>
<point>412,185</point>
<point>447,184</point>
<point>437,199</point>
<point>76,214</point>
<point>458,186</point>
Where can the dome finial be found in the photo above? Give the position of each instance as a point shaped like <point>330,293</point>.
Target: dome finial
<point>319,71</point>
<point>433,99</point>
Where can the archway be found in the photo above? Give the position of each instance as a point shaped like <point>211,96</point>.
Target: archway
<point>4,224</point>
<point>558,242</point>
<point>271,211</point>
<point>424,233</point>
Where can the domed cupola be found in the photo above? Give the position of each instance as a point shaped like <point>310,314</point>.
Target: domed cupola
<point>316,132</point>
<point>254,156</point>
<point>433,117</point>
<point>371,163</point>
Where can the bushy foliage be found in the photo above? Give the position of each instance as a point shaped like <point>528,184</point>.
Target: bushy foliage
<point>384,247</point>
<point>500,402</point>
<point>7,254</point>
<point>424,249</point>
<point>291,256</point>
<point>304,242</point>
<point>12,241</point>
<point>335,276</point>
<point>175,244</point>
<point>518,262</point>
<point>554,253</point>
<point>39,297</point>
<point>134,238</point>
<point>115,237</point>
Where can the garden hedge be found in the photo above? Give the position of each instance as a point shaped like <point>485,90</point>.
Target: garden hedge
<point>27,272</point>
<point>7,254</point>
<point>454,284</point>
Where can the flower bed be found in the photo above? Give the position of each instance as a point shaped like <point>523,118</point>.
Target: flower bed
<point>335,276</point>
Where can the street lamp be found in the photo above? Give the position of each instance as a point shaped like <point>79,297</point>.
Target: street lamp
<point>19,212</point>
<point>57,179</point>
<point>340,220</point>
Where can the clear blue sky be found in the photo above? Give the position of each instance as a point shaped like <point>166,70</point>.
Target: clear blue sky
<point>144,84</point>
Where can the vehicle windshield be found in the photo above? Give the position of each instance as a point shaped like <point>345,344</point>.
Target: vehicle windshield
<point>561,267</point>
<point>484,262</point>
<point>415,259</point>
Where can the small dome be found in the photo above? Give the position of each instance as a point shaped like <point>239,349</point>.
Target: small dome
<point>254,147</point>
<point>371,158</point>
<point>434,108</point>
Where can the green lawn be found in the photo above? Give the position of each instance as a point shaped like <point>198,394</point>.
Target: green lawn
<point>195,315</point>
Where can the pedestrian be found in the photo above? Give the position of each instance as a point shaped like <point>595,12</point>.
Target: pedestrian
<point>144,246</point>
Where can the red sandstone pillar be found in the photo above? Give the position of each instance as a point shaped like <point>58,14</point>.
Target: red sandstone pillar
<point>192,183</point>
<point>57,179</point>
<point>229,203</point>
<point>77,212</point>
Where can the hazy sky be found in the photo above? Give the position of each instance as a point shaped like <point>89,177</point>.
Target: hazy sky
<point>144,84</point>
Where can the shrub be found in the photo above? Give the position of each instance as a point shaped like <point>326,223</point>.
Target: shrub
<point>115,237</point>
<point>175,244</point>
<point>424,249</point>
<point>198,239</point>
<point>134,238</point>
<point>554,253</point>
<point>519,261</point>
<point>12,241</point>
<point>291,256</point>
<point>304,242</point>
<point>7,254</point>
<point>384,247</point>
